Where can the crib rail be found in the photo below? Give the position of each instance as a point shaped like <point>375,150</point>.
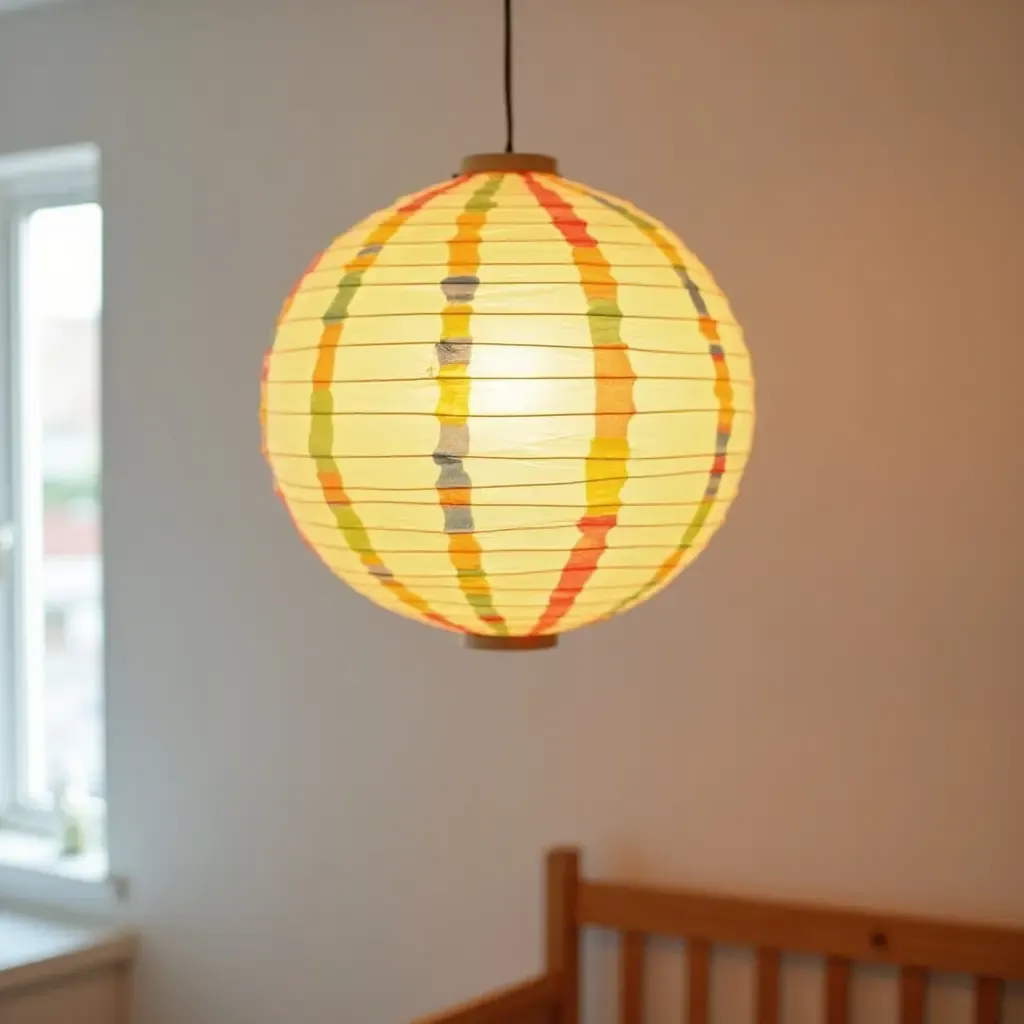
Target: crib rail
<point>532,1002</point>
<point>843,938</point>
<point>856,935</point>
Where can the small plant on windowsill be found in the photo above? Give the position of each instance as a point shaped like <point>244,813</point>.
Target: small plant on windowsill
<point>71,819</point>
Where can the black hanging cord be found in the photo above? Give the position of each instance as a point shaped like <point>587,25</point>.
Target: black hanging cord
<point>508,75</point>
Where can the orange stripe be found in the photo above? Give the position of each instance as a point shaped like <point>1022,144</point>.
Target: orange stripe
<point>723,392</point>
<point>614,379</point>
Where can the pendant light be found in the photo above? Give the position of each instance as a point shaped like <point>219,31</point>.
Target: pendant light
<point>507,405</point>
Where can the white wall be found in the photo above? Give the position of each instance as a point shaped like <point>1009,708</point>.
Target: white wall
<point>328,814</point>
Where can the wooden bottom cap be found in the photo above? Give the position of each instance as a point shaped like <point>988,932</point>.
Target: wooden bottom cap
<point>478,642</point>
<point>504,163</point>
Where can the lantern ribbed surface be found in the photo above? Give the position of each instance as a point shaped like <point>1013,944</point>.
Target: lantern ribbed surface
<point>507,405</point>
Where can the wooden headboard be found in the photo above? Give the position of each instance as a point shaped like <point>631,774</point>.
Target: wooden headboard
<point>843,937</point>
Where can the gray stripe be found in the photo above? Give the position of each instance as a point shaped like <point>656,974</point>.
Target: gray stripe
<point>458,519</point>
<point>460,287</point>
<point>452,440</point>
<point>451,351</point>
<point>453,475</point>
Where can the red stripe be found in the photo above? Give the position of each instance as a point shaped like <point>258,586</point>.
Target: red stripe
<point>580,567</point>
<point>614,389</point>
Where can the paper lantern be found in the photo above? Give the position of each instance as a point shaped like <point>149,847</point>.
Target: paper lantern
<point>509,405</point>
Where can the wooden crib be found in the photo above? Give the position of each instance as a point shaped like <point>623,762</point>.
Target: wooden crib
<point>992,956</point>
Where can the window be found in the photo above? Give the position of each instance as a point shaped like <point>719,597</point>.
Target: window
<point>51,610</point>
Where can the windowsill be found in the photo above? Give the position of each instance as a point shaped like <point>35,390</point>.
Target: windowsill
<point>33,873</point>
<point>37,950</point>
<point>37,853</point>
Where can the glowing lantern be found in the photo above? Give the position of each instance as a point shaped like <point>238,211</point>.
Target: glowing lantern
<point>508,405</point>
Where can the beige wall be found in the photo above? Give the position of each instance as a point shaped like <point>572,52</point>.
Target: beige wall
<point>328,814</point>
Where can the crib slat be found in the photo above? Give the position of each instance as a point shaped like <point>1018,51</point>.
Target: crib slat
<point>631,978</point>
<point>563,940</point>
<point>912,995</point>
<point>768,986</point>
<point>988,1001</point>
<point>837,991</point>
<point>697,961</point>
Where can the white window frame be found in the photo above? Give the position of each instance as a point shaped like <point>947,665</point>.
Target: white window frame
<point>28,182</point>
<point>17,5</point>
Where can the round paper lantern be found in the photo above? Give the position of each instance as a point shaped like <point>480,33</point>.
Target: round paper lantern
<point>509,405</point>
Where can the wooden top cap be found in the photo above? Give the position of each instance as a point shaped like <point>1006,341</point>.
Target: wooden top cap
<point>505,163</point>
